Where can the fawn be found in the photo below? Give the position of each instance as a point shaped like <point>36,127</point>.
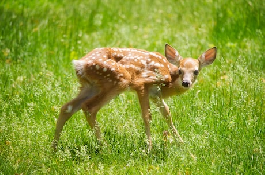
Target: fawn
<point>105,72</point>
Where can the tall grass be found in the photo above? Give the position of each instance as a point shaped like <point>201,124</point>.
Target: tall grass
<point>221,119</point>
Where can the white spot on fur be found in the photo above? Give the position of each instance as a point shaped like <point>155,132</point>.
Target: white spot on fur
<point>97,67</point>
<point>153,54</point>
<point>152,63</point>
<point>143,61</point>
<point>69,109</point>
<point>152,77</point>
<point>158,65</point>
<point>133,66</point>
<point>144,75</point>
<point>89,62</point>
<point>104,69</point>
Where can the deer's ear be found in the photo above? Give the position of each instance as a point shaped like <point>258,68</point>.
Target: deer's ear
<point>172,55</point>
<point>208,57</point>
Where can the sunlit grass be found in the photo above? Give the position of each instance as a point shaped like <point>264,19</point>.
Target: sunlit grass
<point>221,119</point>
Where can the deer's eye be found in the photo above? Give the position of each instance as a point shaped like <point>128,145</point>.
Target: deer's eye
<point>180,71</point>
<point>196,72</point>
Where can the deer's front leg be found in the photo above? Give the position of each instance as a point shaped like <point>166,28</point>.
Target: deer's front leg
<point>143,97</point>
<point>164,109</point>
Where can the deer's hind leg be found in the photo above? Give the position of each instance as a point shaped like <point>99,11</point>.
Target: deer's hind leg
<point>69,109</point>
<point>93,105</point>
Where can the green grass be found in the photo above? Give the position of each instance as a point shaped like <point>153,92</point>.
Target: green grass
<point>221,119</point>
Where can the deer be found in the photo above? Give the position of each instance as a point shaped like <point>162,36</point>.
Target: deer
<point>106,72</point>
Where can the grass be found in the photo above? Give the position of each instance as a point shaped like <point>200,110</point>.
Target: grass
<point>221,119</point>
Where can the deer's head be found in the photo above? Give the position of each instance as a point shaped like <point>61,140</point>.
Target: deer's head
<point>189,68</point>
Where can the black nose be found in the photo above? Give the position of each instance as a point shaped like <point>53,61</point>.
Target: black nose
<point>185,84</point>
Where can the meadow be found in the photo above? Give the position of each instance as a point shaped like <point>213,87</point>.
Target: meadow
<point>221,120</point>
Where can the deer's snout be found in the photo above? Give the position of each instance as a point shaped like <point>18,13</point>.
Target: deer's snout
<point>186,84</point>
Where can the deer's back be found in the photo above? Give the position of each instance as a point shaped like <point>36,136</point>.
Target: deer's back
<point>133,67</point>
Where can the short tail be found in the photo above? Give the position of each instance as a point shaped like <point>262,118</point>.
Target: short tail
<point>79,67</point>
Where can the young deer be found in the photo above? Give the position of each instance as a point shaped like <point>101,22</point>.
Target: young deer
<point>106,72</point>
